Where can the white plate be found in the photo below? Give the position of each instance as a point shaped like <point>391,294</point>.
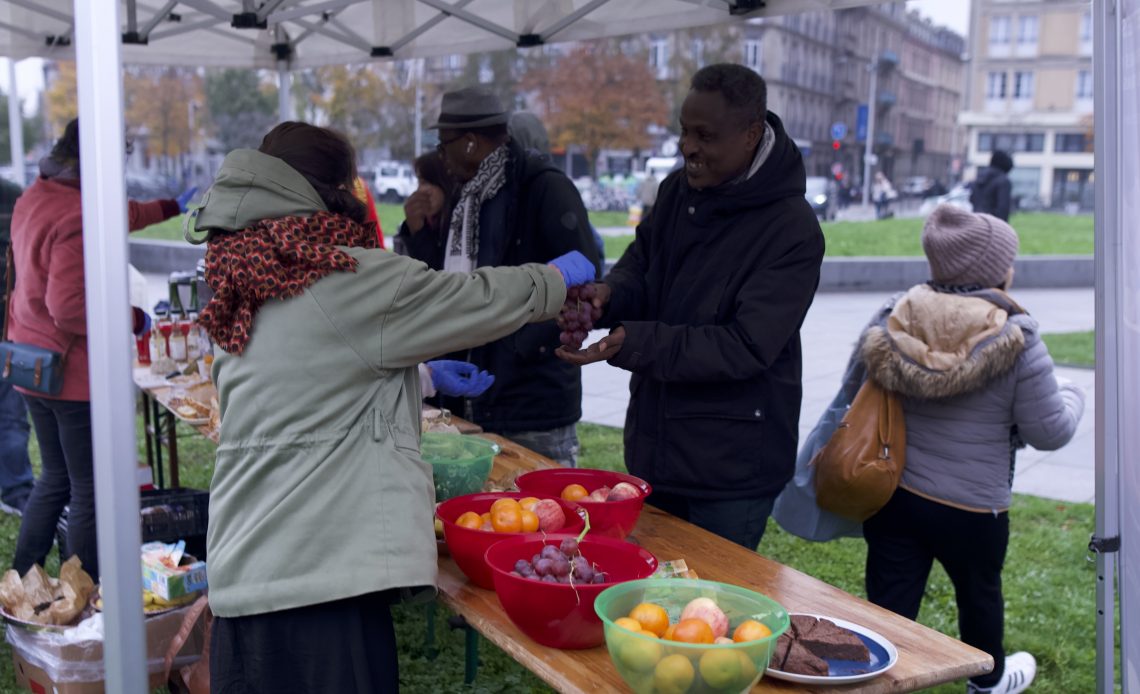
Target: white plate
<point>884,655</point>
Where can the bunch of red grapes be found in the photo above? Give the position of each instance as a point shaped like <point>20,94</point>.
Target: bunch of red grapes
<point>578,315</point>
<point>562,564</point>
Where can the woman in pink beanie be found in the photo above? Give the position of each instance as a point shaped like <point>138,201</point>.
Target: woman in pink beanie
<point>977,384</point>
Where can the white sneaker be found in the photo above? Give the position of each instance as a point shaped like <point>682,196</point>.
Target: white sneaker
<point>1020,669</point>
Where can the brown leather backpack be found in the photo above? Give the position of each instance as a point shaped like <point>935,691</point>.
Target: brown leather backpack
<point>858,469</point>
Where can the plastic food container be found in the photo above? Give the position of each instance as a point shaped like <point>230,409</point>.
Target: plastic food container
<point>649,664</point>
<point>562,615</point>
<point>609,518</point>
<point>467,546</point>
<point>460,464</point>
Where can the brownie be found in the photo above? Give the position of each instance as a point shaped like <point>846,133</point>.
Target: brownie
<point>802,625</point>
<point>780,654</point>
<point>827,640</point>
<point>801,661</point>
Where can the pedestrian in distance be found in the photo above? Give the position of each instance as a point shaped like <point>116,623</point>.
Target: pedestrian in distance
<point>992,189</point>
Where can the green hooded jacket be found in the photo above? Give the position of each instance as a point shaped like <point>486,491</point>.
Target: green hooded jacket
<point>319,491</point>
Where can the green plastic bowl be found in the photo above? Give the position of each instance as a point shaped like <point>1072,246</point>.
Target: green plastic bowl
<point>649,664</point>
<point>460,463</point>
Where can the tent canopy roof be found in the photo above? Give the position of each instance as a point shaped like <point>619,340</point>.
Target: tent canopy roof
<point>309,33</point>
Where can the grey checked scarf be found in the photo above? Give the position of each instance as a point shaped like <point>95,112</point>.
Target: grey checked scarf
<point>463,235</point>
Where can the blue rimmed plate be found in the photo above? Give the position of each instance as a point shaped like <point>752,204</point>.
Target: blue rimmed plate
<point>884,655</point>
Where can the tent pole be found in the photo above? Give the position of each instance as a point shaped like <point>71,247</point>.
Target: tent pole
<point>1109,403</point>
<point>15,126</point>
<point>109,340</point>
<point>284,92</point>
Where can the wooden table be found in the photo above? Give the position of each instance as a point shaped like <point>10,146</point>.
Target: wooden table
<point>926,657</point>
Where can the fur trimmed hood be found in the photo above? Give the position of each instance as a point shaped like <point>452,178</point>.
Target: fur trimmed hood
<point>934,345</point>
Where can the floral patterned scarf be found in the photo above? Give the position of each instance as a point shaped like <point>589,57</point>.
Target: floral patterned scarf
<point>273,259</point>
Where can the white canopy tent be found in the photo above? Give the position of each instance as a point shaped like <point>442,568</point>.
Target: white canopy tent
<point>290,34</point>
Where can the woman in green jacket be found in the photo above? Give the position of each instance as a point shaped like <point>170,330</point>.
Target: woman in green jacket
<point>321,506</point>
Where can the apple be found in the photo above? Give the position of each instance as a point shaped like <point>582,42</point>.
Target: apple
<point>600,494</point>
<point>707,611</point>
<point>722,640</point>
<point>623,491</point>
<point>551,518</point>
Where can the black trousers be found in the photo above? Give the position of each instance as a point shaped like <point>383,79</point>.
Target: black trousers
<point>67,478</point>
<point>905,538</point>
<point>347,646</point>
<point>739,520</point>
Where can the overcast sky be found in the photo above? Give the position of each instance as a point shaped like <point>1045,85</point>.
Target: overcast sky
<point>952,13</point>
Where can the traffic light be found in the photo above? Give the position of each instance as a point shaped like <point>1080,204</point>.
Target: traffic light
<point>835,145</point>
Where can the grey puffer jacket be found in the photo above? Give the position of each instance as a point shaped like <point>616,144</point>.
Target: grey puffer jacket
<point>977,383</point>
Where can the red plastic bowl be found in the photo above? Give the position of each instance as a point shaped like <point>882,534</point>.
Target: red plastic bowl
<point>608,518</point>
<point>555,614</point>
<point>468,546</point>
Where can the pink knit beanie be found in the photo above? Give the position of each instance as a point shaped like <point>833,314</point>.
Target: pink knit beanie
<point>967,248</point>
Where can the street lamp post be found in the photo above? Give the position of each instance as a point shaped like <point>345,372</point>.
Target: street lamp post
<point>869,145</point>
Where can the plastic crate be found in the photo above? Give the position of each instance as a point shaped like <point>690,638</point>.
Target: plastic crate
<point>166,515</point>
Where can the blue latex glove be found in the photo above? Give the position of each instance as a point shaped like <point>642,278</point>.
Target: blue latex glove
<point>576,268</point>
<point>184,199</point>
<point>459,378</point>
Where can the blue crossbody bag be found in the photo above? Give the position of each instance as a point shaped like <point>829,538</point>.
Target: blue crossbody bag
<point>30,367</point>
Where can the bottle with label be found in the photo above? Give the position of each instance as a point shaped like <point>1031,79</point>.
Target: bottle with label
<point>178,340</point>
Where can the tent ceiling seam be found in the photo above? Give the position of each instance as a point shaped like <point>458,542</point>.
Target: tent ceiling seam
<point>325,31</point>
<point>472,19</point>
<point>426,26</point>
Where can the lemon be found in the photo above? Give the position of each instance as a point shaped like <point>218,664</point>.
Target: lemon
<point>674,674</point>
<point>720,668</point>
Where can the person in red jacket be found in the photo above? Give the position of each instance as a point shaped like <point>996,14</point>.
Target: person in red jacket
<point>49,310</point>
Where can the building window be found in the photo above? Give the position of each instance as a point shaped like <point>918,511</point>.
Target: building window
<point>1023,86</point>
<point>1011,142</point>
<point>1072,142</point>
<point>1084,84</point>
<point>999,30</point>
<point>1027,35</point>
<point>659,58</point>
<point>698,49</point>
<point>995,85</point>
<point>1086,27</point>
<point>753,58</point>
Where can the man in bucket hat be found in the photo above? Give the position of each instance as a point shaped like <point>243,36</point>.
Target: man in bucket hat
<point>513,207</point>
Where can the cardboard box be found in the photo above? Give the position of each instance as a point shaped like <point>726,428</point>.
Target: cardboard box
<point>170,584</point>
<point>46,666</point>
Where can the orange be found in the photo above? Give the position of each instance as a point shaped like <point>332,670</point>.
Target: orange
<point>469,520</point>
<point>750,630</point>
<point>529,521</point>
<point>501,503</point>
<point>653,618</point>
<point>507,518</point>
<point>628,623</point>
<point>574,492</point>
<point>528,503</point>
<point>674,674</point>
<point>693,631</point>
<point>668,636</point>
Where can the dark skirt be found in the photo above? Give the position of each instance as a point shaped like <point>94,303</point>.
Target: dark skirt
<point>347,646</point>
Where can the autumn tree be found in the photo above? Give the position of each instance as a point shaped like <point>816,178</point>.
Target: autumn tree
<point>373,104</point>
<point>693,49</point>
<point>62,96</point>
<point>597,97</point>
<point>158,101</point>
<point>241,108</point>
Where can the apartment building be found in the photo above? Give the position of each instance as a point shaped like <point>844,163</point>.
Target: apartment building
<point>1030,92</point>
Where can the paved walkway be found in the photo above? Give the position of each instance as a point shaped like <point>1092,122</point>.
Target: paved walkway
<point>828,336</point>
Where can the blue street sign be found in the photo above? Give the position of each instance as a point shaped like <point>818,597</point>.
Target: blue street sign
<point>861,123</point>
<point>838,130</point>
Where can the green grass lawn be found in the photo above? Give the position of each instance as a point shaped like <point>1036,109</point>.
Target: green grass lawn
<point>1049,589</point>
<point>390,218</point>
<point>1040,234</point>
<point>1072,349</point>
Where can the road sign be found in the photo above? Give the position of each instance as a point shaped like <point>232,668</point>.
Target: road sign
<point>838,130</point>
<point>861,123</point>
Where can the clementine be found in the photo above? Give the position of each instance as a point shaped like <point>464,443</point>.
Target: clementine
<point>528,503</point>
<point>470,520</point>
<point>750,630</point>
<point>574,492</point>
<point>674,674</point>
<point>693,630</point>
<point>529,521</point>
<point>507,518</point>
<point>653,618</point>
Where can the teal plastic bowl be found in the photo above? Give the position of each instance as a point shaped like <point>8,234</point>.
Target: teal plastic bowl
<point>460,463</point>
<point>649,664</point>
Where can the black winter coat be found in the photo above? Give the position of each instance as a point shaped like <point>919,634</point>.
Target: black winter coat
<point>991,193</point>
<point>712,294</point>
<point>536,217</point>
